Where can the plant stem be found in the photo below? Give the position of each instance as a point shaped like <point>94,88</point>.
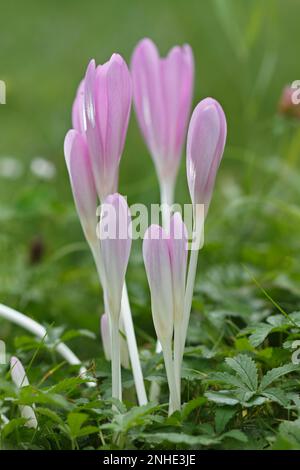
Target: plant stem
<point>178,355</point>
<point>166,201</point>
<point>174,398</point>
<point>115,361</point>
<point>129,332</point>
<point>189,294</point>
<point>38,330</point>
<point>132,348</point>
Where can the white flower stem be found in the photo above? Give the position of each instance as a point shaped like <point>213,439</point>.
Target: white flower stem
<point>166,201</point>
<point>178,356</point>
<point>198,236</point>
<point>129,332</point>
<point>174,398</point>
<point>132,348</point>
<point>115,361</point>
<point>38,330</point>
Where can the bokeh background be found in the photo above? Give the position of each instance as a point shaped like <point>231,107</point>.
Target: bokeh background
<point>245,53</point>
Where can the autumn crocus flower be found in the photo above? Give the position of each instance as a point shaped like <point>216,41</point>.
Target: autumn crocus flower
<point>114,232</point>
<point>20,379</point>
<point>93,150</point>
<point>205,146</point>
<point>162,93</point>
<point>165,258</point>
<point>101,113</point>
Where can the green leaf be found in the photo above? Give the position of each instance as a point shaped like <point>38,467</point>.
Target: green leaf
<point>222,417</point>
<point>276,394</point>
<point>49,414</point>
<point>236,434</point>
<point>86,431</point>
<point>260,333</point>
<point>288,437</point>
<point>190,406</point>
<point>11,426</point>
<point>75,422</point>
<point>228,379</point>
<point>246,369</point>
<point>275,374</point>
<point>223,397</point>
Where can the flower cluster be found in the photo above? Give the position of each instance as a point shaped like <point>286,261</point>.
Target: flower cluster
<point>162,90</point>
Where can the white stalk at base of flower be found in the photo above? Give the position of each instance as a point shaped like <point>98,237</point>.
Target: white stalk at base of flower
<point>130,335</point>
<point>114,232</point>
<point>38,330</point>
<point>159,252</point>
<point>132,348</point>
<point>20,379</point>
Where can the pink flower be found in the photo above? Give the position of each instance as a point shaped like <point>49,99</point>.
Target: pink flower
<point>165,258</point>
<point>205,145</point>
<point>82,182</point>
<point>162,92</point>
<point>114,232</point>
<point>101,113</point>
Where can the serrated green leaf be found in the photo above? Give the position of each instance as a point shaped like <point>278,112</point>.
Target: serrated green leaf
<point>274,374</point>
<point>246,369</point>
<point>228,379</point>
<point>276,394</point>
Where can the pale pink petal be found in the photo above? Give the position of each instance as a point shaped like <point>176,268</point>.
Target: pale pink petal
<point>78,111</point>
<point>82,182</point>
<point>115,244</point>
<point>119,95</point>
<point>205,146</point>
<point>162,91</point>
<point>179,251</point>
<point>157,261</point>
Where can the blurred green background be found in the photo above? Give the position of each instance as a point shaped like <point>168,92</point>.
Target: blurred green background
<point>245,51</point>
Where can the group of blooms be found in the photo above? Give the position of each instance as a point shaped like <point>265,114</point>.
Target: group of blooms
<point>162,90</point>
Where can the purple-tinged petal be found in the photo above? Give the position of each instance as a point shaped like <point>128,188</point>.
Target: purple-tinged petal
<point>78,111</point>
<point>157,261</point>
<point>82,182</point>
<point>179,251</point>
<point>115,245</point>
<point>205,147</point>
<point>119,95</point>
<point>162,91</point>
<point>107,101</point>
